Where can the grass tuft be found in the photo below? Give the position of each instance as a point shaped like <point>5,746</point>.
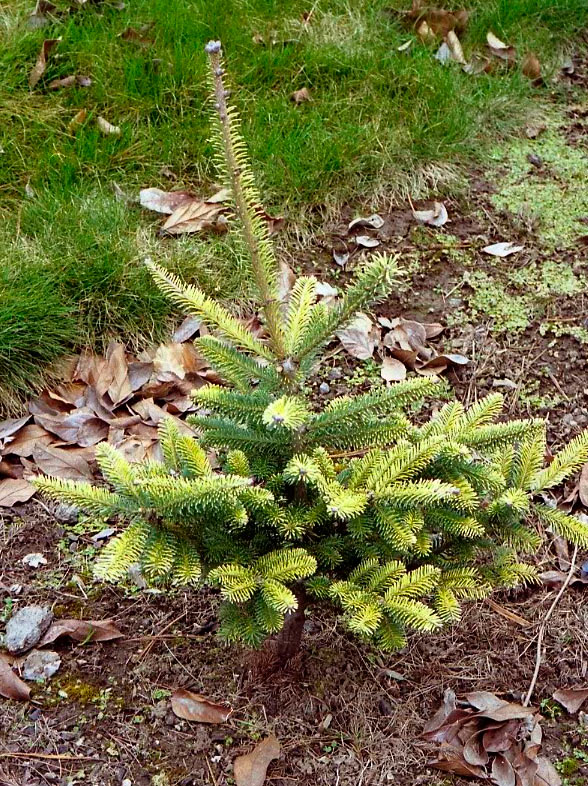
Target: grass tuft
<point>380,123</point>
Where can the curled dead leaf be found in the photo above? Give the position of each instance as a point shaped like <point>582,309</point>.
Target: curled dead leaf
<point>70,81</point>
<point>502,249</point>
<point>300,96</point>
<point>164,201</point>
<point>490,706</point>
<point>194,707</point>
<point>502,771</point>
<point>571,698</point>
<point>583,486</point>
<point>81,630</point>
<point>195,216</point>
<point>107,128</point>
<point>499,49</point>
<point>11,686</point>
<point>436,216</point>
<point>393,370</point>
<point>374,222</point>
<point>251,769</point>
<point>41,65</point>
<point>77,120</point>
<point>531,67</point>
<point>13,492</point>
<point>359,337</point>
<point>455,47</point>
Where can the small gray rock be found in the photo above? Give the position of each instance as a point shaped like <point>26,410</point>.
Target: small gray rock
<point>25,628</point>
<point>40,665</point>
<point>66,514</point>
<point>324,387</point>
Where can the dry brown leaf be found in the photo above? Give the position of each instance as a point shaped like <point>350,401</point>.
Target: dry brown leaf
<point>359,337</point>
<point>448,706</point>
<point>251,769</point>
<point>531,67</point>
<point>77,120</point>
<point>436,216</point>
<point>189,327</point>
<point>81,630</point>
<point>451,760</point>
<point>175,361</point>
<point>107,128</point>
<point>119,389</point>
<point>14,491</point>
<point>39,68</point>
<point>583,487</point>
<point>300,96</point>
<point>393,370</point>
<point>80,427</point>
<point>139,374</point>
<point>474,751</point>
<point>193,216</point>
<point>137,36</point>
<point>499,49</point>
<point>455,47</point>
<point>502,771</point>
<point>439,363</point>
<point>9,469</point>
<point>490,706</point>
<point>286,280</point>
<point>164,201</point>
<point>11,686</point>
<point>60,463</point>
<point>12,425</point>
<point>571,698</point>
<point>70,81</point>
<point>194,707</point>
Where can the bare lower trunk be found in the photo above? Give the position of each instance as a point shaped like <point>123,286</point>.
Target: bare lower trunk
<point>289,638</point>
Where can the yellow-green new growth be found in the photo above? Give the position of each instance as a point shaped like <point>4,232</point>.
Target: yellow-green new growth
<point>280,500</point>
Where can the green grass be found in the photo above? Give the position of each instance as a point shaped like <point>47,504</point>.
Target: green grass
<point>381,122</point>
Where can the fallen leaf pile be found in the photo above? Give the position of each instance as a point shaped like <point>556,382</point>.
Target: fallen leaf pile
<point>117,397</point>
<point>434,24</point>
<point>485,737</point>
<point>402,344</point>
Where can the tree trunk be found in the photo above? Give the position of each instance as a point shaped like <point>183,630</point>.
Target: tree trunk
<point>289,638</point>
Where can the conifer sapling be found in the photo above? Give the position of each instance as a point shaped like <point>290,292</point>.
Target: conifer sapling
<point>349,503</point>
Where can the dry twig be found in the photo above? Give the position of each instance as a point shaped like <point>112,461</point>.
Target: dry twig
<point>543,627</point>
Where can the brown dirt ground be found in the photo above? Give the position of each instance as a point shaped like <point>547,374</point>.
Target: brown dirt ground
<point>343,716</point>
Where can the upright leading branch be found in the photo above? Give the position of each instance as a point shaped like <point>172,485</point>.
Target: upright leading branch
<point>232,160</point>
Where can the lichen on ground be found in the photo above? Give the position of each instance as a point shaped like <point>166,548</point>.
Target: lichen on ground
<point>548,197</point>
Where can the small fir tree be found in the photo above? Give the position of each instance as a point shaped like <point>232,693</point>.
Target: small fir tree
<point>392,523</point>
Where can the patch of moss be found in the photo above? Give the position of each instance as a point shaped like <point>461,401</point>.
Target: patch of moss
<point>490,298</point>
<point>551,198</point>
<point>514,297</point>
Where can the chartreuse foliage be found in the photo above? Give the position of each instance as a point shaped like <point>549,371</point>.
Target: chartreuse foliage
<point>393,523</point>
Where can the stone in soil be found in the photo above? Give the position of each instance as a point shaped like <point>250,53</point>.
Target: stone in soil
<point>66,514</point>
<point>40,665</point>
<point>25,628</point>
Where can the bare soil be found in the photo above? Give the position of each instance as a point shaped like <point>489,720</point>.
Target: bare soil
<point>344,715</point>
